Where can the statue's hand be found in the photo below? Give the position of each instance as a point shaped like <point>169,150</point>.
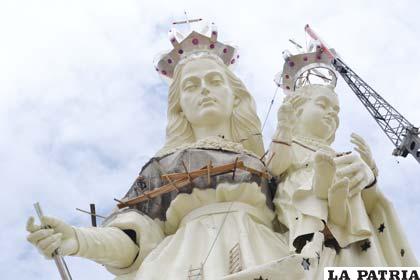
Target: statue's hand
<point>337,196</point>
<point>286,121</point>
<point>55,234</point>
<point>286,116</point>
<point>364,151</point>
<point>352,167</point>
<point>324,168</point>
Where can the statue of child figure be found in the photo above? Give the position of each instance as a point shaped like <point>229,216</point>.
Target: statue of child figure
<point>334,194</point>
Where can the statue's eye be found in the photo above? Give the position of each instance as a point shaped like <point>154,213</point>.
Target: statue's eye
<point>216,81</point>
<point>321,104</point>
<point>190,86</point>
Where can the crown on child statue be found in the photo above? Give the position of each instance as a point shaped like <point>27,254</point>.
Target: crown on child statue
<point>204,41</point>
<point>306,68</point>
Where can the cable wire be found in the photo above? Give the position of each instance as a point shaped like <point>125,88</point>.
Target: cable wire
<point>218,233</point>
<point>269,108</point>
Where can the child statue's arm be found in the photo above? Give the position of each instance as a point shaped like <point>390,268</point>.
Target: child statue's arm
<point>280,155</point>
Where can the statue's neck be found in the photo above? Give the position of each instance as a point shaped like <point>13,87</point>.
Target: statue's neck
<point>314,143</point>
<point>305,133</point>
<point>221,129</point>
<point>311,139</point>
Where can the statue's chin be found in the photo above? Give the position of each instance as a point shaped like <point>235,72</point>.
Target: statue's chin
<point>321,135</point>
<point>211,116</point>
<point>323,131</point>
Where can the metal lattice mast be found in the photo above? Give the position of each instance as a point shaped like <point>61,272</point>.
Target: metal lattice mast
<point>398,129</point>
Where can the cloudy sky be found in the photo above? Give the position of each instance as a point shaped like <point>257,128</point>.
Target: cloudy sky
<point>81,107</point>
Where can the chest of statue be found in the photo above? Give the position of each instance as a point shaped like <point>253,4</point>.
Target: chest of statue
<point>163,178</point>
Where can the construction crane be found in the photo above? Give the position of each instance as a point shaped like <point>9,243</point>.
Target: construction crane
<point>398,129</point>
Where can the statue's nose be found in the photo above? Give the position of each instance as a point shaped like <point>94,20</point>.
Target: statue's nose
<point>205,91</point>
<point>331,112</point>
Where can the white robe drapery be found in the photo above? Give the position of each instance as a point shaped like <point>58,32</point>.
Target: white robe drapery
<point>371,236</point>
<point>201,229</point>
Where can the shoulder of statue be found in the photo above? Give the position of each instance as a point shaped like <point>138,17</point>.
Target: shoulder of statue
<point>211,143</point>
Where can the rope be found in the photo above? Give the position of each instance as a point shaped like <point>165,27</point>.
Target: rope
<point>218,233</point>
<point>269,108</point>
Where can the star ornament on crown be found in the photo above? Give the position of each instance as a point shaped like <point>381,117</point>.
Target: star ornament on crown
<point>306,68</point>
<point>203,41</point>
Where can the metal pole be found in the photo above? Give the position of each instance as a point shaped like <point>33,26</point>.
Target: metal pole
<point>93,214</point>
<point>59,260</point>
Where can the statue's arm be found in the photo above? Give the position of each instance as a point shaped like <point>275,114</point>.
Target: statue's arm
<point>370,191</point>
<point>120,245</point>
<point>99,244</point>
<point>280,155</point>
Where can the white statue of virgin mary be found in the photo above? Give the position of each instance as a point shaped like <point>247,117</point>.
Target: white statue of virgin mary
<point>218,226</point>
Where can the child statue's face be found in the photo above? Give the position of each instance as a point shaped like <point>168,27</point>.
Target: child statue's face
<point>318,117</point>
<point>206,97</point>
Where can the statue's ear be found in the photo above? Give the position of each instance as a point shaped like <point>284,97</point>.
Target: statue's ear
<point>236,101</point>
<point>299,112</point>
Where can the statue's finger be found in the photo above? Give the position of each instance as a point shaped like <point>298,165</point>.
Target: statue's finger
<point>364,154</point>
<point>293,118</point>
<point>349,169</point>
<point>48,251</point>
<point>286,106</point>
<point>361,144</point>
<point>44,243</point>
<point>30,225</point>
<point>282,118</point>
<point>38,235</point>
<point>345,159</point>
<point>356,179</point>
<point>51,222</point>
<point>358,143</point>
<point>340,184</point>
<point>322,156</point>
<point>356,189</point>
<point>358,138</point>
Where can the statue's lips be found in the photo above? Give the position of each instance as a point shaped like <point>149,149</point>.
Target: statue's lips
<point>328,119</point>
<point>206,101</point>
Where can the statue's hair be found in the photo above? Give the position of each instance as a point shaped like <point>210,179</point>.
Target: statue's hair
<point>245,124</point>
<point>301,96</point>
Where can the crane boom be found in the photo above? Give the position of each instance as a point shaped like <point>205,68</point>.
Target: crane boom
<point>398,129</point>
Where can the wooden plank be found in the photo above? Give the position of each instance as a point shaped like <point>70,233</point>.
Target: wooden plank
<point>200,172</point>
<point>173,184</point>
<point>234,168</point>
<point>180,180</point>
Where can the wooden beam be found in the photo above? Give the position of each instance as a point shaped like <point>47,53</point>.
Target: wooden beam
<point>234,168</point>
<point>181,180</point>
<point>172,183</point>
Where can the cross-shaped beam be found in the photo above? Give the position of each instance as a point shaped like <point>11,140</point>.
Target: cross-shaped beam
<point>187,21</point>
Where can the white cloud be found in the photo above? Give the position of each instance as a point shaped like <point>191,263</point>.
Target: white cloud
<point>78,95</point>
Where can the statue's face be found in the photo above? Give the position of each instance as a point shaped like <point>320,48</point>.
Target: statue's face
<point>206,97</point>
<point>318,117</point>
